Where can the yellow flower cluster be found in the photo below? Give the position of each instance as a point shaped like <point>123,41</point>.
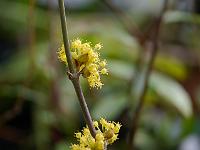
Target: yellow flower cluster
<point>87,61</point>
<point>107,133</point>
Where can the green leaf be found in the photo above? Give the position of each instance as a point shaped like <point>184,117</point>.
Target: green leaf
<point>172,92</point>
<point>171,66</point>
<point>17,18</point>
<point>109,107</point>
<point>164,86</point>
<point>16,69</point>
<point>178,16</point>
<point>121,69</point>
<point>63,145</point>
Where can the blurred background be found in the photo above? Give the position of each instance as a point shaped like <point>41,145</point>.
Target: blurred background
<point>38,106</point>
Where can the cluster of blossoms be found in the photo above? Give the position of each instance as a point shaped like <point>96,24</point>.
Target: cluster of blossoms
<point>106,133</point>
<point>87,61</point>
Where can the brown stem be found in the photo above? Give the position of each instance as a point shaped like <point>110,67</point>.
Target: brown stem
<point>74,77</point>
<point>147,73</point>
<point>84,107</point>
<point>65,35</point>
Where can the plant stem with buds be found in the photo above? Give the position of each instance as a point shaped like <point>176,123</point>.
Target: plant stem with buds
<point>73,75</point>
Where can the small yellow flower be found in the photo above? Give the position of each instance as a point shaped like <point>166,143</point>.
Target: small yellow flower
<point>106,132</point>
<point>61,54</point>
<point>104,71</point>
<point>98,46</point>
<point>87,61</point>
<point>96,124</point>
<point>103,63</point>
<point>111,130</point>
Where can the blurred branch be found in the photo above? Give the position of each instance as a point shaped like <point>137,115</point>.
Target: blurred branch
<point>73,75</point>
<point>126,20</point>
<point>11,113</point>
<point>131,27</point>
<point>54,90</point>
<point>147,72</point>
<point>12,134</point>
<point>31,29</point>
<point>8,115</point>
<point>129,24</point>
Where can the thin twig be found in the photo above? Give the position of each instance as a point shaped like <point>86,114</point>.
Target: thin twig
<point>65,35</point>
<point>74,75</point>
<point>147,72</point>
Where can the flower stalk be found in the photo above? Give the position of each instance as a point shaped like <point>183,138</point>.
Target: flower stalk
<point>73,75</point>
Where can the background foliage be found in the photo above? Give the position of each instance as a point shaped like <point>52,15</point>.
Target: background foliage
<point>38,106</point>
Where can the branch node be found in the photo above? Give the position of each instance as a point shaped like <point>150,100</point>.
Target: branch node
<point>73,76</point>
